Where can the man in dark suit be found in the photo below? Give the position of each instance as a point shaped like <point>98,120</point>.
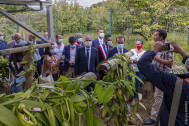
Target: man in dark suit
<point>69,60</point>
<point>98,41</point>
<point>104,48</point>
<point>39,55</point>
<point>86,58</point>
<point>120,40</point>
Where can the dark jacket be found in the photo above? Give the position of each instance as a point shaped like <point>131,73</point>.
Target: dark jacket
<point>113,51</point>
<point>95,43</point>
<point>3,45</point>
<point>166,83</point>
<point>41,50</point>
<point>81,63</point>
<point>100,57</point>
<point>66,52</point>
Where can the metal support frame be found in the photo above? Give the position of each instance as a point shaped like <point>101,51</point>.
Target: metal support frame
<point>50,22</point>
<point>110,24</point>
<point>49,10</point>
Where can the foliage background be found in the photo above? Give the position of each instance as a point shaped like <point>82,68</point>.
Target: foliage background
<point>135,19</point>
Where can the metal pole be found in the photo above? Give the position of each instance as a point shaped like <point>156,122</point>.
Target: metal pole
<point>50,22</point>
<point>110,25</point>
<point>17,28</point>
<point>55,24</point>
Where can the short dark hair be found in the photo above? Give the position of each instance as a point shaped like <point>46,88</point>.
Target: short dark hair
<point>58,35</point>
<point>162,33</point>
<point>47,50</point>
<point>33,36</point>
<point>107,36</point>
<point>120,37</point>
<point>72,39</point>
<point>140,41</point>
<point>99,30</point>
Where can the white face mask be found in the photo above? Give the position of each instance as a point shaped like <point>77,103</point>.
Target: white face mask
<point>101,35</point>
<point>88,43</point>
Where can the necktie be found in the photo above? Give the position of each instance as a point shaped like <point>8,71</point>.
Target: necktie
<point>121,51</point>
<point>87,60</point>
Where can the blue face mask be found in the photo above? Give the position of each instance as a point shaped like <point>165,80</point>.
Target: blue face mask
<point>19,41</point>
<point>72,46</point>
<point>80,40</point>
<point>47,38</point>
<point>30,42</point>
<point>1,38</point>
<point>120,46</point>
<point>60,40</point>
<point>52,51</point>
<point>109,43</point>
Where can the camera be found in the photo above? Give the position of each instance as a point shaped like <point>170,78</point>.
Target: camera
<point>165,47</point>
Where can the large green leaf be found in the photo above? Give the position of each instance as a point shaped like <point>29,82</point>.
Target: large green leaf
<point>8,118</point>
<point>89,117</point>
<point>108,94</point>
<point>98,121</point>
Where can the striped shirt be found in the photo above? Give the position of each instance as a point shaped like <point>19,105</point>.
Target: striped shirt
<point>166,55</point>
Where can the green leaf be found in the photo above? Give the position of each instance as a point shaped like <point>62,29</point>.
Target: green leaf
<point>142,105</point>
<point>8,118</point>
<point>108,94</point>
<point>22,73</point>
<point>63,78</point>
<point>77,98</point>
<point>23,62</point>
<point>128,87</point>
<point>139,117</point>
<point>135,108</point>
<point>98,121</point>
<point>89,117</point>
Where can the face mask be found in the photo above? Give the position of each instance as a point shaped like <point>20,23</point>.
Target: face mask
<point>52,51</point>
<point>101,35</point>
<point>109,43</point>
<point>1,38</point>
<point>72,46</point>
<point>80,40</point>
<point>60,40</point>
<point>47,38</point>
<point>88,43</point>
<point>30,42</point>
<point>138,47</point>
<point>120,46</point>
<point>19,41</point>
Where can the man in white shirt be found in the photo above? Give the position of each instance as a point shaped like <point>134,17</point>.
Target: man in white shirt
<point>98,41</point>
<point>59,48</point>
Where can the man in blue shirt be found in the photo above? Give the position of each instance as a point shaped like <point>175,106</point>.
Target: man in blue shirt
<point>166,82</point>
<point>120,40</point>
<point>3,43</point>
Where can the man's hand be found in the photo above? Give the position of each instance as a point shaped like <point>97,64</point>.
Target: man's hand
<point>157,46</point>
<point>178,49</point>
<point>70,62</point>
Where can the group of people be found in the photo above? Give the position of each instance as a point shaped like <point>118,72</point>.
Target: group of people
<point>80,56</point>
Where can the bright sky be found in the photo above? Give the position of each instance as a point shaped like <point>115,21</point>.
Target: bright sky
<point>85,3</point>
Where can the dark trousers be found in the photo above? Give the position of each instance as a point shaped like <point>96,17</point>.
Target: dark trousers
<point>55,77</point>
<point>61,65</point>
<point>38,72</point>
